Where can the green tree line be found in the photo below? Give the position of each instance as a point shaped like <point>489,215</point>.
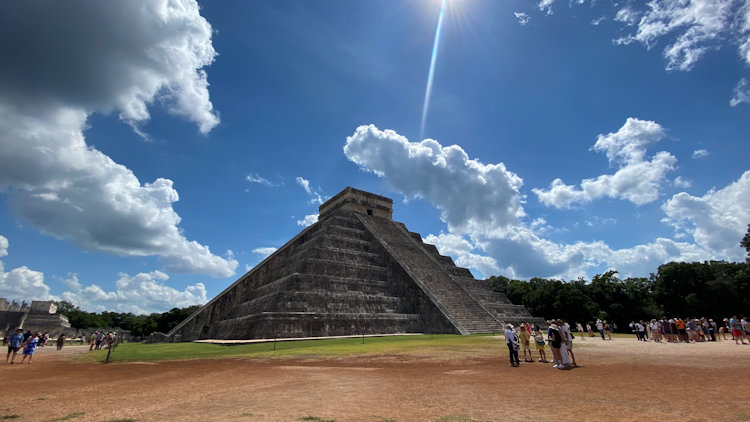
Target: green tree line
<point>711,289</point>
<point>138,325</point>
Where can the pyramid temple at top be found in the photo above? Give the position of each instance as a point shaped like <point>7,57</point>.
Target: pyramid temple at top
<point>354,272</point>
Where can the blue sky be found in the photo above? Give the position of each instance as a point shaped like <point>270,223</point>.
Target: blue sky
<point>151,153</point>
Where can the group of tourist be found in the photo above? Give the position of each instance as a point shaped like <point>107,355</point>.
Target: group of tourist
<point>17,341</point>
<point>675,330</point>
<point>558,336</point>
<point>30,341</point>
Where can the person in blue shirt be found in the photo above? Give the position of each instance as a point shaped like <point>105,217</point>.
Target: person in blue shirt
<point>30,348</point>
<point>14,344</point>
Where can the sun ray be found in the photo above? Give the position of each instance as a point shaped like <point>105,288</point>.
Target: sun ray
<point>431,73</point>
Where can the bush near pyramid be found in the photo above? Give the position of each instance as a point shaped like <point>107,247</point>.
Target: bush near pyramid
<point>355,271</point>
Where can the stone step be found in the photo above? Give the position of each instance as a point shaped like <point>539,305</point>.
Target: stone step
<point>342,220</point>
<point>327,240</point>
<point>456,301</point>
<point>310,282</point>
<point>321,301</point>
<point>344,255</point>
<point>311,324</point>
<point>347,232</point>
<point>327,267</point>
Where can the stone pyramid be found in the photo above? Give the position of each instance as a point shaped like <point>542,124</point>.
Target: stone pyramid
<point>355,271</point>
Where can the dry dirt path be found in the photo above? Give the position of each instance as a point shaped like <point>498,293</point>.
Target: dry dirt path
<point>618,380</point>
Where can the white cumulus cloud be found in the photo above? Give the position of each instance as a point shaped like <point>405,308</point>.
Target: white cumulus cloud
<point>682,183</point>
<point>106,58</point>
<point>21,283</point>
<point>638,180</point>
<point>717,220</point>
<point>458,246</point>
<point>264,252</point>
<point>487,232</point>
<point>142,293</point>
<point>466,191</point>
<point>309,220</point>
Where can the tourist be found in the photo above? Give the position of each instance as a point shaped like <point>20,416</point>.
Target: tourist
<point>607,329</point>
<point>579,327</point>
<point>555,342</point>
<point>99,340</point>
<point>92,340</point>
<point>539,341</point>
<point>681,331</point>
<point>30,347</point>
<point>692,330</point>
<point>511,340</point>
<point>60,341</point>
<point>600,328</point>
<point>564,334</point>
<point>14,343</point>
<point>589,329</point>
<point>640,331</point>
<point>665,330</point>
<point>736,326</point>
<point>713,329</point>
<point>524,337</point>
<point>568,342</point>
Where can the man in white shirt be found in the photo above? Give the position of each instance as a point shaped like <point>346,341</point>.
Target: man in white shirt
<point>565,333</point>
<point>600,328</point>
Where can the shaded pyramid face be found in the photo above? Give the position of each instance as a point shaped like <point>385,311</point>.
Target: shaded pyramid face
<point>355,271</point>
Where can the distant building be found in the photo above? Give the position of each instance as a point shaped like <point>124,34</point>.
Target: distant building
<point>40,317</point>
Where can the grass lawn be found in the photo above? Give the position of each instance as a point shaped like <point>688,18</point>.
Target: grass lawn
<point>403,345</point>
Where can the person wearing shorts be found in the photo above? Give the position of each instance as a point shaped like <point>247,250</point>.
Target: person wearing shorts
<point>30,348</point>
<point>736,326</point>
<point>539,342</point>
<point>14,344</point>
<point>524,337</point>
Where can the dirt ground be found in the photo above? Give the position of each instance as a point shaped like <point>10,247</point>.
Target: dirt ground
<point>622,379</point>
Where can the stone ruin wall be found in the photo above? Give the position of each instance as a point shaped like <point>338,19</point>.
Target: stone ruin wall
<point>223,305</point>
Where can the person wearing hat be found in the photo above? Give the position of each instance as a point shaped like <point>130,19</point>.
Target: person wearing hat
<point>14,344</point>
<point>555,339</point>
<point>511,340</point>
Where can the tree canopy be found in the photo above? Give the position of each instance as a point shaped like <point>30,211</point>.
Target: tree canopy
<point>711,289</point>
<point>138,325</point>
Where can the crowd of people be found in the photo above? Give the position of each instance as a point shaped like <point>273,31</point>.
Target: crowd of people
<point>676,330</point>
<point>558,336</point>
<point>28,342</point>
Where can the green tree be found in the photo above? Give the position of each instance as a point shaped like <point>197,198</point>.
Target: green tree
<point>745,243</point>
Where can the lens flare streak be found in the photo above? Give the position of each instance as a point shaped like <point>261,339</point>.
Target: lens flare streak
<point>431,74</point>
